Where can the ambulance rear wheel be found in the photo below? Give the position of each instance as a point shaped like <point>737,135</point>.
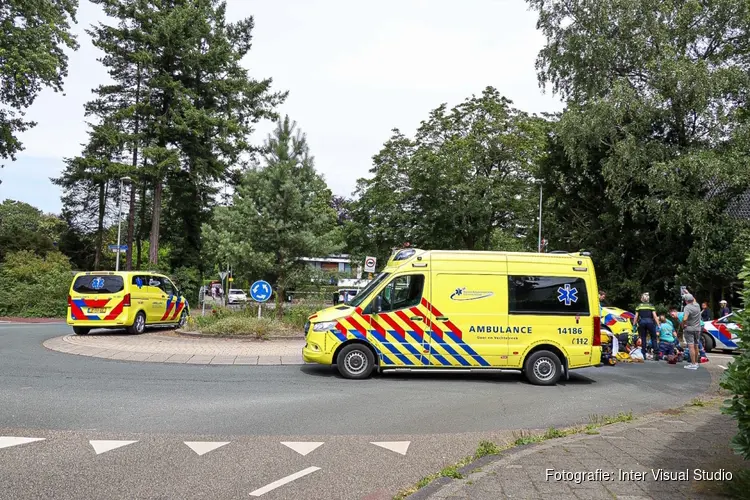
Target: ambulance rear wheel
<point>355,361</point>
<point>543,368</point>
<point>79,330</point>
<point>139,324</point>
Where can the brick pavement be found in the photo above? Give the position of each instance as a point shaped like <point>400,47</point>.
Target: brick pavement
<point>695,437</point>
<point>160,347</point>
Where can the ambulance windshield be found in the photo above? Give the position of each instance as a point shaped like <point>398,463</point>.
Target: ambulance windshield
<point>361,296</point>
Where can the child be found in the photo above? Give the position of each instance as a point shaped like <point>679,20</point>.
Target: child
<point>666,338</point>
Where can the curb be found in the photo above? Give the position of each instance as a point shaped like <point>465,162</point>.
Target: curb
<point>526,449</point>
<point>199,335</point>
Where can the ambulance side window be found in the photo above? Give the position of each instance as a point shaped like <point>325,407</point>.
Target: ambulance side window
<point>139,282</point>
<point>547,295</point>
<point>402,292</point>
<point>166,286</point>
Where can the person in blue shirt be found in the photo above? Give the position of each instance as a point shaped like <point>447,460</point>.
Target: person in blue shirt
<point>667,338</point>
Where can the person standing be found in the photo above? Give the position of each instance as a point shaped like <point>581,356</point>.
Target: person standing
<point>691,328</point>
<point>645,318</point>
<point>725,310</point>
<point>706,313</point>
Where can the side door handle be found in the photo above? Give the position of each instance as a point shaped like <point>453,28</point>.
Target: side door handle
<point>416,318</point>
<point>441,318</point>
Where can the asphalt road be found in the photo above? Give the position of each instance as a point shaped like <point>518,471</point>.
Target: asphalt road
<point>70,400</point>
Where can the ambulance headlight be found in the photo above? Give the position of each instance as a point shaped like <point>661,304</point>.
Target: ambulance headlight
<point>324,326</point>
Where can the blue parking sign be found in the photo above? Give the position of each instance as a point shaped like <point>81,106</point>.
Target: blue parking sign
<point>260,291</point>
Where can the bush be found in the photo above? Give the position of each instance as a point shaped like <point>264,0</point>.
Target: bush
<point>736,379</point>
<point>296,316</point>
<point>34,286</point>
<point>240,324</point>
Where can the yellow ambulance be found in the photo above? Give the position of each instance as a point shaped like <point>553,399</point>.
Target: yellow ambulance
<point>125,299</point>
<point>534,312</point>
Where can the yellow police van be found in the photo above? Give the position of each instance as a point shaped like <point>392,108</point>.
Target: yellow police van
<point>125,299</point>
<point>534,312</point>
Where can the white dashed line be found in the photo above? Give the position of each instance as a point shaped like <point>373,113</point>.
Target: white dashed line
<point>8,441</point>
<point>203,447</point>
<point>302,447</point>
<point>104,446</point>
<point>397,446</point>
<point>283,481</point>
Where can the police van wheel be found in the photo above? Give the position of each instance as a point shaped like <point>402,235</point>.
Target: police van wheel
<point>543,368</point>
<point>355,361</point>
<point>79,330</point>
<point>708,342</point>
<point>139,324</point>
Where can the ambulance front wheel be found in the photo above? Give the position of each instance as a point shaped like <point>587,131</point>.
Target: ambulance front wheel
<point>355,361</point>
<point>139,324</point>
<point>543,368</point>
<point>79,330</point>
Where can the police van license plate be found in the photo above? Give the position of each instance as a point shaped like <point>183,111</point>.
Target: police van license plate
<point>95,310</point>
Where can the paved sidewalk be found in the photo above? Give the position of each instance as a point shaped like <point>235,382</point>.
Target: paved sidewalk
<point>697,437</point>
<point>164,348</point>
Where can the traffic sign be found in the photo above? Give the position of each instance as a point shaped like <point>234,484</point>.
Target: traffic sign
<point>260,291</point>
<point>370,264</point>
<point>222,275</point>
<point>230,279</point>
<point>114,248</point>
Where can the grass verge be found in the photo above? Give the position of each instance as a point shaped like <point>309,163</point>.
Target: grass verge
<point>523,437</point>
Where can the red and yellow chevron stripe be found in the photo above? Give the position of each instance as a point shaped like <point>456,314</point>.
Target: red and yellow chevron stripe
<point>410,337</point>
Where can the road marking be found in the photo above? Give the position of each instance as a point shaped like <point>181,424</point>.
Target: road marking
<point>397,446</point>
<point>722,367</point>
<point>203,447</point>
<point>8,441</point>
<point>104,446</point>
<point>283,481</point>
<point>302,447</point>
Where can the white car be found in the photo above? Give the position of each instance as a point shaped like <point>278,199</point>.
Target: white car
<point>236,296</point>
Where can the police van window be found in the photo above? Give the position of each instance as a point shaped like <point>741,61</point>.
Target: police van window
<point>547,295</point>
<point>403,292</point>
<point>92,284</point>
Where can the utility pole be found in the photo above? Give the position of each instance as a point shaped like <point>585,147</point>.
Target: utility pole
<point>539,246</point>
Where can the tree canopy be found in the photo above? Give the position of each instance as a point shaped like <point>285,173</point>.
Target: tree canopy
<point>465,181</point>
<point>652,145</point>
<point>33,39</point>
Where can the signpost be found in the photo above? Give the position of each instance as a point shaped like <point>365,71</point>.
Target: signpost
<point>260,291</point>
<point>370,264</point>
<point>115,248</point>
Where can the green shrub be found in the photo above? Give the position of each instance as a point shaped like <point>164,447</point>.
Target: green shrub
<point>34,286</point>
<point>296,316</point>
<point>236,324</point>
<point>736,379</point>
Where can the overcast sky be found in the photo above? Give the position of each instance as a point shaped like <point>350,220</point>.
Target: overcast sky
<point>354,71</point>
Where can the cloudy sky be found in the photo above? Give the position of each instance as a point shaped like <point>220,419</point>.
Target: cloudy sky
<point>354,71</point>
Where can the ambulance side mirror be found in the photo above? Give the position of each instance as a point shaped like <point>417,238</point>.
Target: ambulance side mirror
<point>378,305</point>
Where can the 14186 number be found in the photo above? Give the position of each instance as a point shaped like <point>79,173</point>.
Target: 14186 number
<point>571,331</point>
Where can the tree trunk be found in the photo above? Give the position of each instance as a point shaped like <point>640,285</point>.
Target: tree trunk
<point>100,226</point>
<point>141,227</point>
<point>131,211</point>
<point>153,250</point>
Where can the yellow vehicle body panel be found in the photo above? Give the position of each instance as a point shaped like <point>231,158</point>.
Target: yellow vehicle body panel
<point>464,309</point>
<point>111,299</point>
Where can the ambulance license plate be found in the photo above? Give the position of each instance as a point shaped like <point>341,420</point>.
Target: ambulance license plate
<point>96,310</point>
